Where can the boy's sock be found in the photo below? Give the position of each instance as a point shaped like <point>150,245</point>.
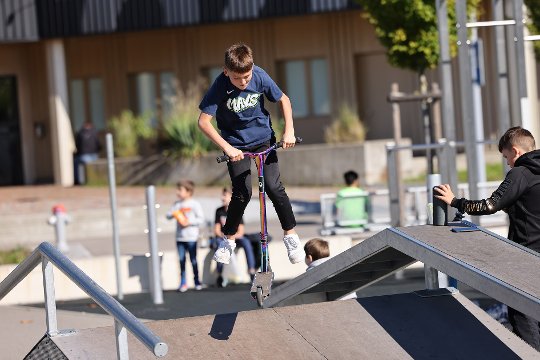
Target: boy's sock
<point>224,251</point>
<point>294,248</point>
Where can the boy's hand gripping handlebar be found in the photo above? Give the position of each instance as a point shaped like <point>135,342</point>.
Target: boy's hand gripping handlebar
<point>277,145</point>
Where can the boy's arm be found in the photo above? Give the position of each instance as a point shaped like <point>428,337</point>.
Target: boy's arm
<point>217,230</point>
<point>169,214</point>
<point>286,109</point>
<point>508,192</point>
<point>208,129</point>
<point>240,232</point>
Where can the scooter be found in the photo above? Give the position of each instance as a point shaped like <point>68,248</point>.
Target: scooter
<point>262,282</point>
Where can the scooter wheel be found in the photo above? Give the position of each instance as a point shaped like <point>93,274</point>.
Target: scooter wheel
<point>260,297</point>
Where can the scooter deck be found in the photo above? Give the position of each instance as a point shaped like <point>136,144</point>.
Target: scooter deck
<point>262,280</point>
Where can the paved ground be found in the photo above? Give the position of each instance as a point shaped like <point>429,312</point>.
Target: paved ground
<point>27,199</point>
<point>30,319</point>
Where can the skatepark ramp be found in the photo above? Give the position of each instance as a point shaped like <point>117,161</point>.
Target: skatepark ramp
<point>477,257</point>
<point>427,324</point>
<point>47,255</point>
<point>431,324</point>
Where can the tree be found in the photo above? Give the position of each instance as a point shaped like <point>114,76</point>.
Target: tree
<point>408,29</point>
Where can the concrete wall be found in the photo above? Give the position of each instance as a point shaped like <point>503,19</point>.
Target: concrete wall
<point>305,165</point>
<point>134,270</point>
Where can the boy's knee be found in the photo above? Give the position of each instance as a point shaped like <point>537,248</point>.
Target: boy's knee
<point>274,190</point>
<point>242,196</point>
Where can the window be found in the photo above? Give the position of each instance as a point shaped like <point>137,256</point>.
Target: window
<point>306,83</point>
<point>87,102</point>
<point>153,94</point>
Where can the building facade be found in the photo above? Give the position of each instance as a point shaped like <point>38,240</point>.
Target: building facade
<point>66,62</point>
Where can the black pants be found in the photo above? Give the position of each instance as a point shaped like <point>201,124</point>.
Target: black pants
<point>525,327</point>
<point>240,173</point>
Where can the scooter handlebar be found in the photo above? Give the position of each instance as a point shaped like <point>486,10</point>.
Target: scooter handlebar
<point>224,158</point>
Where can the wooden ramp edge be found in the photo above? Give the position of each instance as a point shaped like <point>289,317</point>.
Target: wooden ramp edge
<point>438,324</point>
<point>483,260</point>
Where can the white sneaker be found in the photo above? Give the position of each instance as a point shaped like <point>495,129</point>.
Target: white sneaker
<point>294,248</point>
<point>224,251</point>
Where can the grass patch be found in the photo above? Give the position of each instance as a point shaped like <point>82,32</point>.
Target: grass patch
<point>494,172</point>
<point>14,256</point>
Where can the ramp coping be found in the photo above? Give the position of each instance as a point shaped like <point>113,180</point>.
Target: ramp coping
<point>416,242</point>
<point>48,255</point>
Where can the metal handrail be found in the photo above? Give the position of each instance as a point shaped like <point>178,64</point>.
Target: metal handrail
<point>46,254</point>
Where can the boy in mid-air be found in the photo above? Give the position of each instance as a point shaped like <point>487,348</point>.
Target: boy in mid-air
<point>236,99</point>
<point>519,196</point>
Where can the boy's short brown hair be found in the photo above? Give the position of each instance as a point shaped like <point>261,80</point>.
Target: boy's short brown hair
<point>518,137</point>
<point>317,248</point>
<point>186,184</point>
<point>239,58</point>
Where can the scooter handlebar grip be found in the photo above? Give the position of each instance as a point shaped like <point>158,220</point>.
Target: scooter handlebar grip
<point>280,144</point>
<point>222,158</point>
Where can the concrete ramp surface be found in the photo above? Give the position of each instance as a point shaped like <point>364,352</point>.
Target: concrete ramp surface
<point>437,324</point>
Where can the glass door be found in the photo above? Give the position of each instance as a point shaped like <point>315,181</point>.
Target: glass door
<point>11,172</point>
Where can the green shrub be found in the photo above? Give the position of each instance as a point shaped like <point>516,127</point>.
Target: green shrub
<point>14,256</point>
<point>182,136</point>
<point>128,130</point>
<point>346,128</point>
<point>278,126</point>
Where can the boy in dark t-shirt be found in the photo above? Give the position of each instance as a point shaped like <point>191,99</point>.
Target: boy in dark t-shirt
<point>236,99</point>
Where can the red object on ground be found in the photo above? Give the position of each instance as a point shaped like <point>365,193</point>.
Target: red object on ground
<point>58,208</point>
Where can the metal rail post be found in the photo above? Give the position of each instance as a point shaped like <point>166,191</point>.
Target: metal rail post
<point>395,188</point>
<point>447,99</point>
<point>112,194</point>
<point>50,300</point>
<point>120,332</point>
<point>155,273</point>
<point>467,111</point>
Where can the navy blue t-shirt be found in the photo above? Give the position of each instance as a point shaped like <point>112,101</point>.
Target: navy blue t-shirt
<point>241,117</point>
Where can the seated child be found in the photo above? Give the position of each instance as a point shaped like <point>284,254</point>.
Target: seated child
<point>351,202</point>
<point>317,251</point>
<point>241,240</point>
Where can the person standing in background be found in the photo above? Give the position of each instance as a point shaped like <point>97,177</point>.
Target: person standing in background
<point>189,217</point>
<point>88,147</point>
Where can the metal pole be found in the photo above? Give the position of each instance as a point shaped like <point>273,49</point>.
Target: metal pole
<point>477,66</point>
<point>448,114</point>
<point>436,113</point>
<point>503,106</point>
<point>155,273</point>
<point>434,278</point>
<point>443,155</point>
<point>112,195</point>
<point>526,120</point>
<point>467,114</point>
<point>120,331</point>
<point>50,301</point>
<point>393,192</point>
<point>431,276</point>
<point>510,52</point>
<point>396,122</point>
<point>426,121</point>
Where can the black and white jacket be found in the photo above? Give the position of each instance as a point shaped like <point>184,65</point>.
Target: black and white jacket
<point>519,196</point>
